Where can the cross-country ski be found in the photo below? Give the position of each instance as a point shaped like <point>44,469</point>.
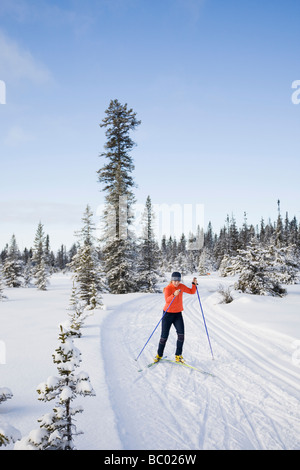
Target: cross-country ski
<point>185,364</point>
<point>164,359</point>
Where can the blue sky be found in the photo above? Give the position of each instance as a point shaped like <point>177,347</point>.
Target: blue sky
<point>210,80</point>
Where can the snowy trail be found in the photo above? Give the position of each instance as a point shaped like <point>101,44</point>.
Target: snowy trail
<point>253,403</point>
<point>270,356</point>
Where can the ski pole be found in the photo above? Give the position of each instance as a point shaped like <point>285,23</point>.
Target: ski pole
<point>155,328</point>
<point>205,323</point>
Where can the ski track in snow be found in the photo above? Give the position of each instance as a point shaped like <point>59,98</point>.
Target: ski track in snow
<point>252,403</point>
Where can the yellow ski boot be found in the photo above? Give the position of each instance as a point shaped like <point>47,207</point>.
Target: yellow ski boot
<point>179,359</point>
<point>157,358</point>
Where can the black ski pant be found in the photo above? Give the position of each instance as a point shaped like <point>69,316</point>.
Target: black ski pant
<point>168,320</point>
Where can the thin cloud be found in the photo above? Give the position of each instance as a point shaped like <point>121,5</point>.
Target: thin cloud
<point>18,63</point>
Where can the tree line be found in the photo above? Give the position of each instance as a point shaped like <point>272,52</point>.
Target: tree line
<point>150,258</point>
<point>119,262</point>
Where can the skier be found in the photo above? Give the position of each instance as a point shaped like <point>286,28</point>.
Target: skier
<point>174,315</point>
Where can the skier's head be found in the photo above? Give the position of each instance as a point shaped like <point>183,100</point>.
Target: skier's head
<point>176,276</point>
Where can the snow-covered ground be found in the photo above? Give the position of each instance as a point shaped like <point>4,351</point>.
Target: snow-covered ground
<point>252,403</point>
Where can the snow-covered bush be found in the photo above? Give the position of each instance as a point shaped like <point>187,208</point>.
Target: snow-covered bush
<point>205,262</point>
<point>79,310</point>
<point>286,263</point>
<point>261,269</point>
<point>226,297</point>
<point>57,428</point>
<point>8,434</point>
<point>13,265</point>
<point>2,296</point>
<point>27,273</point>
<point>77,315</point>
<point>5,394</point>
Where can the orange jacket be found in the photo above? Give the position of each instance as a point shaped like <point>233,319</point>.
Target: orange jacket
<point>177,305</point>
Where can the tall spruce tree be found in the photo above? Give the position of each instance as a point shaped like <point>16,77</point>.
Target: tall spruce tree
<point>40,270</point>
<point>12,268</point>
<point>116,177</point>
<point>149,259</point>
<point>86,264</point>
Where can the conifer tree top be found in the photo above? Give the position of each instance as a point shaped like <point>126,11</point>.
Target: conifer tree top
<point>118,122</point>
